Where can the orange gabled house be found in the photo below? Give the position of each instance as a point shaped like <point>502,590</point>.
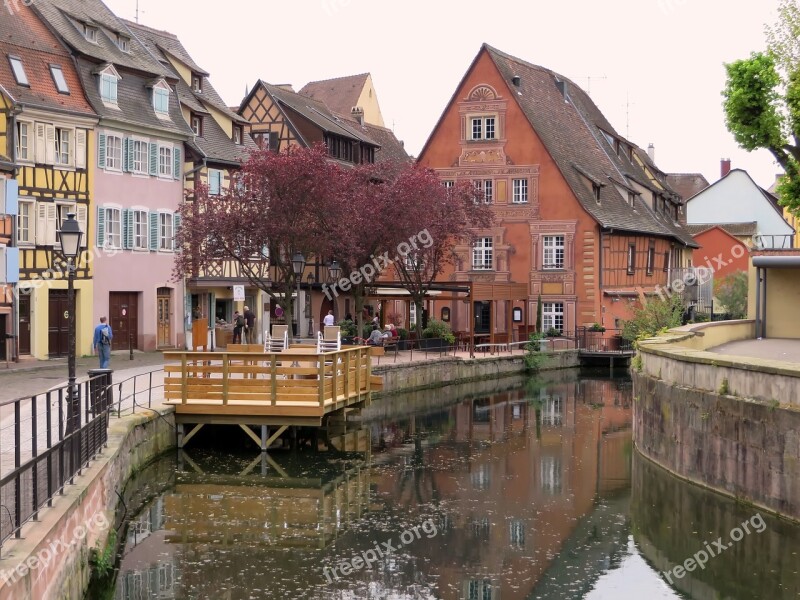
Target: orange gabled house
<point>582,215</point>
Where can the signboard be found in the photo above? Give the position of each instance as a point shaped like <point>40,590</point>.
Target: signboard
<point>278,312</point>
<point>238,293</point>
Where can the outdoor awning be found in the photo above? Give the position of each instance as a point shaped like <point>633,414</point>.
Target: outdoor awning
<point>778,262</point>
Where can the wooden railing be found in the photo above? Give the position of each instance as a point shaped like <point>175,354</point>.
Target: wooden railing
<point>296,381</point>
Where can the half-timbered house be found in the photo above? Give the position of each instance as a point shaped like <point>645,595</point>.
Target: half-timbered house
<point>582,215</point>
<point>220,141</point>
<point>48,124</point>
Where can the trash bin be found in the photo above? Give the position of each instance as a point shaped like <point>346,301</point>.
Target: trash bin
<point>101,392</point>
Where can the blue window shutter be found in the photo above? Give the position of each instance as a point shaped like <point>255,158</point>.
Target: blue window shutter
<point>176,225</point>
<point>101,151</point>
<point>12,265</point>
<point>101,227</point>
<point>154,159</point>
<point>214,182</point>
<point>12,197</point>
<point>127,228</point>
<point>153,231</point>
<point>127,154</point>
<point>176,156</point>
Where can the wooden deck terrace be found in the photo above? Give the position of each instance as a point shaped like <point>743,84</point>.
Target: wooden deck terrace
<point>296,387</point>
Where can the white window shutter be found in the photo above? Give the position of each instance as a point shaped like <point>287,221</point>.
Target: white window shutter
<point>41,223</point>
<point>52,225</point>
<point>80,148</point>
<point>50,144</point>
<point>81,215</point>
<point>41,143</point>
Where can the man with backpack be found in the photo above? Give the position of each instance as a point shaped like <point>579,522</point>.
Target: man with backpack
<point>238,326</point>
<point>102,342</point>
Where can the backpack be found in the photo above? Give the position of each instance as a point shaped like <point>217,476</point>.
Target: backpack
<point>240,321</point>
<point>104,338</point>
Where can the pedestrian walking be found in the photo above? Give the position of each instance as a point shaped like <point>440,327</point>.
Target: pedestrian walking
<point>328,320</point>
<point>102,342</point>
<point>249,326</point>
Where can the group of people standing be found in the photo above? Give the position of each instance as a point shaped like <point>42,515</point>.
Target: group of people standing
<point>244,327</point>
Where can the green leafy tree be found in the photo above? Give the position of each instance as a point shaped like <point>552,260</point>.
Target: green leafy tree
<point>762,100</point>
<point>731,291</point>
<point>654,316</point>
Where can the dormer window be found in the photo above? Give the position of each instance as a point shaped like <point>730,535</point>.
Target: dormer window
<point>197,125</point>
<point>19,71</point>
<point>197,83</point>
<point>237,135</point>
<point>596,187</point>
<point>161,98</point>
<point>90,33</point>
<point>482,128</point>
<point>59,79</point>
<point>109,78</point>
<point>124,43</point>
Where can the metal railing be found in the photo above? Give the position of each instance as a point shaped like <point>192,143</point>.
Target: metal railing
<point>608,341</point>
<point>136,392</point>
<point>51,445</point>
<point>773,242</point>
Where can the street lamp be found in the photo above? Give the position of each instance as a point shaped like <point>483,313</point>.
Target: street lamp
<point>334,270</point>
<point>298,266</point>
<point>70,236</point>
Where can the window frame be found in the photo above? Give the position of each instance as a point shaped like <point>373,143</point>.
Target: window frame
<point>59,144</point>
<point>57,73</point>
<point>162,174</point>
<point>482,125</point>
<point>199,130</point>
<point>108,222</point>
<point>31,217</point>
<point>238,135</point>
<point>448,183</point>
<point>483,248</point>
<point>113,85</point>
<point>18,70</point>
<point>124,43</point>
<point>29,149</point>
<point>631,258</point>
<point>163,94</point>
<point>144,147</point>
<point>90,33</point>
<point>651,258</point>
<point>166,221</point>
<point>551,312</point>
<point>517,188</point>
<point>553,248</point>
<point>145,226</point>
<point>119,158</point>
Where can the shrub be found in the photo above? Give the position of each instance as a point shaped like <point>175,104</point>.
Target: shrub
<point>731,291</point>
<point>403,333</point>
<point>533,357</point>
<point>655,316</point>
<point>597,327</point>
<point>439,329</point>
<point>552,332</point>
<point>347,328</point>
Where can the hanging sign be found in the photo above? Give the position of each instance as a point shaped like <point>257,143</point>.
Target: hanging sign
<point>238,293</point>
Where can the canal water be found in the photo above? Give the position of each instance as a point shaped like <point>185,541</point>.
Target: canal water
<point>517,489</point>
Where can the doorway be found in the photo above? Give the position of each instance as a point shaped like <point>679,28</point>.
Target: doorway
<point>163,312</point>
<point>58,327</point>
<point>24,307</point>
<point>483,315</point>
<point>123,309</point>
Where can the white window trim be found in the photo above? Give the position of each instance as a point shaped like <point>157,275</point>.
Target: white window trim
<point>170,162</point>
<point>514,189</point>
<point>555,247</point>
<point>483,118</point>
<point>118,137</point>
<point>31,222</point>
<point>171,215</point>
<point>70,165</point>
<point>482,249</point>
<point>57,68</point>
<point>548,314</point>
<point>109,71</point>
<point>146,211</point>
<point>12,60</point>
<point>106,243</point>
<point>145,172</point>
<point>31,142</point>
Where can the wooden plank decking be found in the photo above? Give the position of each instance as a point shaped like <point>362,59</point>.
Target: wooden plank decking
<point>293,387</point>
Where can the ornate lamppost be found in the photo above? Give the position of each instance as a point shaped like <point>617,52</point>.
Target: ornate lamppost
<point>298,266</point>
<point>70,236</point>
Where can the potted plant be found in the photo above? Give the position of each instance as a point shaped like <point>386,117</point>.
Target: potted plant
<point>594,336</point>
<point>348,330</point>
<point>437,335</point>
<point>597,327</point>
<point>552,333</point>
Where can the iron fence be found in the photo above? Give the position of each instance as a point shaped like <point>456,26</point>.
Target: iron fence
<point>54,438</point>
<point>607,341</point>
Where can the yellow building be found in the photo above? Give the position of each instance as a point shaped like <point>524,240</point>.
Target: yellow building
<point>49,124</point>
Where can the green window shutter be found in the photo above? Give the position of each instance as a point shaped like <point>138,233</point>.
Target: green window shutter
<point>153,231</point>
<point>214,182</point>
<point>127,159</point>
<point>176,156</point>
<point>154,159</point>
<point>101,151</point>
<point>127,228</point>
<point>101,227</point>
<point>176,225</point>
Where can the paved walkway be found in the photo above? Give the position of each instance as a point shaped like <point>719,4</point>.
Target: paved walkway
<point>769,348</point>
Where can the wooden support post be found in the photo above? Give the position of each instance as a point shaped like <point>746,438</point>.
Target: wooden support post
<point>225,364</point>
<point>275,436</point>
<point>273,374</point>
<point>264,435</point>
<point>180,435</point>
<point>197,428</point>
<point>321,376</point>
<point>249,432</point>
<point>184,380</point>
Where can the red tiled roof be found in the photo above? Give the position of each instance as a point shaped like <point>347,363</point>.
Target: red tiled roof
<point>687,184</point>
<point>340,94</point>
<point>25,36</point>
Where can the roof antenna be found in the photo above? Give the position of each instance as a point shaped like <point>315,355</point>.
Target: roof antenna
<point>588,79</point>
<point>627,115</point>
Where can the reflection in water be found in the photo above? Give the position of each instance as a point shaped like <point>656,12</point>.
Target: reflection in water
<point>527,491</point>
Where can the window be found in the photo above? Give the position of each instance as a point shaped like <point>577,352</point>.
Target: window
<point>19,71</point>
<point>479,589</point>
<point>197,83</point>
<point>553,316</point>
<point>666,262</point>
<point>553,254</point>
<point>516,533</point>
<point>62,210</point>
<point>482,254</point>
<point>631,259</point>
<point>25,223</point>
<point>596,190</point>
<point>113,225</point>
<point>448,183</point>
<point>24,150</point>
<point>552,412</point>
<point>481,477</point>
<point>651,258</point>
<point>113,153</point>
<point>237,135</point>
<point>59,79</point>
<point>108,87</point>
<point>520,188</point>
<point>483,128</point>
<point>164,161</point>
<point>165,231</point>
<point>140,241</point>
<point>488,191</point>
<point>90,33</point>
<point>214,182</point>
<point>550,474</point>
<point>63,149</point>
<point>161,100</point>
<point>197,125</point>
<point>123,43</point>
<point>139,165</point>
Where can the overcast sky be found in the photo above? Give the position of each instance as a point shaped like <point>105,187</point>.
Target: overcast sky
<point>656,66</point>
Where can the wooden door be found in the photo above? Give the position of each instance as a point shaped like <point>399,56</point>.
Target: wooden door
<point>24,307</point>
<point>124,318</point>
<point>163,311</point>
<point>58,327</point>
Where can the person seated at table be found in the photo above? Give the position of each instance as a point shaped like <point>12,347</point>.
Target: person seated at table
<point>376,337</point>
<point>393,331</point>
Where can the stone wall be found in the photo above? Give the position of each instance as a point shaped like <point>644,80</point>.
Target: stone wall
<point>746,448</point>
<point>52,559</point>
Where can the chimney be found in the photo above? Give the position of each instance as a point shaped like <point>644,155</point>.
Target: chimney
<point>724,167</point>
<point>651,152</point>
<point>358,114</point>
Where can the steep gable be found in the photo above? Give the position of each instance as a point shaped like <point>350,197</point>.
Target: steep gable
<point>342,94</point>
